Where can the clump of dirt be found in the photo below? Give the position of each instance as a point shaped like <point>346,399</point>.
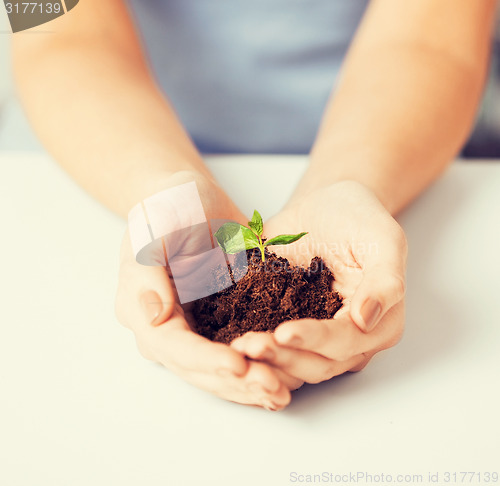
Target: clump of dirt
<point>267,294</point>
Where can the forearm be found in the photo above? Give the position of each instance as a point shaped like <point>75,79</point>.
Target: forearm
<point>395,128</point>
<point>97,110</point>
<point>402,111</point>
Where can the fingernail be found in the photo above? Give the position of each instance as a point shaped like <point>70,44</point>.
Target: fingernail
<point>152,306</point>
<point>272,407</point>
<point>267,355</point>
<point>294,341</point>
<point>370,312</point>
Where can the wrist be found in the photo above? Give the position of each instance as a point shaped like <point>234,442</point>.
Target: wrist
<point>216,203</point>
<point>372,170</point>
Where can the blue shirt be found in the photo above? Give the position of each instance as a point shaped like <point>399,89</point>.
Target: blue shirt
<point>248,76</point>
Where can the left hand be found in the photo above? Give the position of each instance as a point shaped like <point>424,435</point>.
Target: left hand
<point>366,250</point>
<point>147,303</point>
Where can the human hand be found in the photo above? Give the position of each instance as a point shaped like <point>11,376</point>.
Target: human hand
<point>366,249</point>
<point>148,304</point>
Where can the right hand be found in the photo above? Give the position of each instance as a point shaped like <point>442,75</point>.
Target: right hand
<point>366,249</point>
<point>147,304</point>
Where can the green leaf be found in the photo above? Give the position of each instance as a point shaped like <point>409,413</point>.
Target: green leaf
<point>256,224</point>
<point>284,239</point>
<point>234,237</point>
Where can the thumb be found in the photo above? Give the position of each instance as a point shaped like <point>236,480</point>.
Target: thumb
<point>156,309</point>
<point>383,282</point>
<point>379,290</point>
<point>145,295</point>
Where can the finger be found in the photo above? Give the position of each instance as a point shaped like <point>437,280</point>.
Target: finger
<point>245,389</point>
<point>280,400</point>
<point>304,365</point>
<point>289,381</point>
<point>383,282</point>
<point>275,398</point>
<point>340,339</point>
<point>177,347</point>
<point>337,339</point>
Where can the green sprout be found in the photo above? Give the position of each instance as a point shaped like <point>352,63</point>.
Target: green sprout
<point>234,237</point>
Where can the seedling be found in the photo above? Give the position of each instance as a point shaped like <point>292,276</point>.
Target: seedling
<point>234,237</point>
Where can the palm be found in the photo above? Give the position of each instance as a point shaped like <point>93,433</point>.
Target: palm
<point>343,228</point>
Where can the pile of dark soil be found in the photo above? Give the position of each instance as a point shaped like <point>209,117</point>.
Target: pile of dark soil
<point>269,293</point>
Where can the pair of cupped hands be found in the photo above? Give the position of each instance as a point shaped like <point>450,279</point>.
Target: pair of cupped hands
<point>356,237</point>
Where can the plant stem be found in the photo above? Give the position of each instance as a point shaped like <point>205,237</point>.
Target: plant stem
<point>261,248</point>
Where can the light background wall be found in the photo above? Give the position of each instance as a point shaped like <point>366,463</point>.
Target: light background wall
<point>15,133</point>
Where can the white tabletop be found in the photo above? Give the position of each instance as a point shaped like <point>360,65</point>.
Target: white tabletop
<point>79,406</point>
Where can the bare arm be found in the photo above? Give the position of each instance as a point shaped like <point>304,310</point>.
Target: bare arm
<point>404,105</point>
<point>94,104</point>
<point>407,97</point>
<point>92,101</point>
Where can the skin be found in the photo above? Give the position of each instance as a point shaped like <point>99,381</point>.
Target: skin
<point>367,251</point>
<point>404,105</point>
